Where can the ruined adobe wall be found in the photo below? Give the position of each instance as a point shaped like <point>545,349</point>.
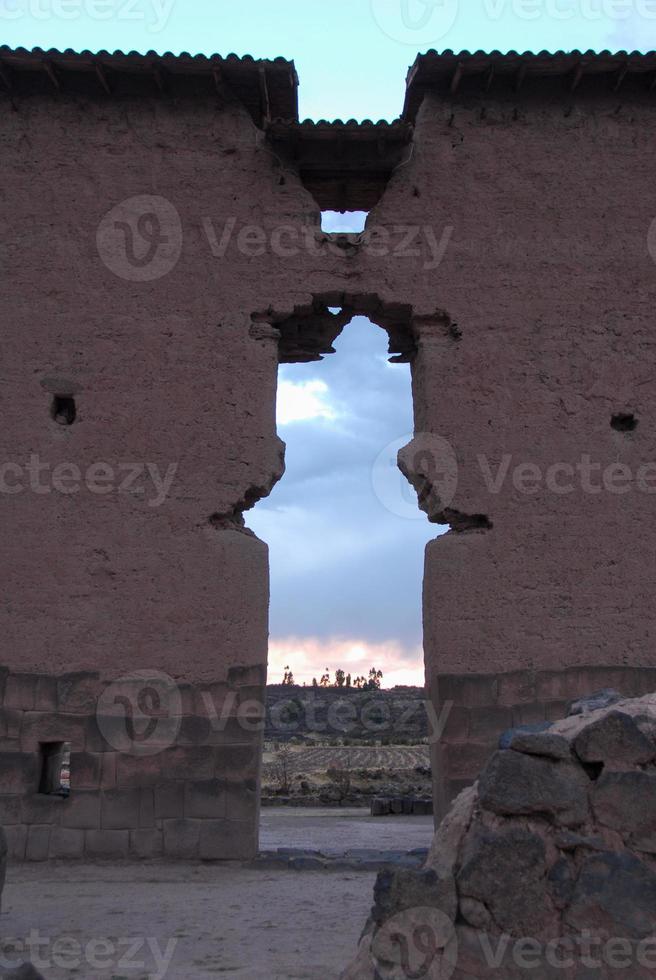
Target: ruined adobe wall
<point>533,330</point>
<point>170,371</point>
<point>166,372</point>
<point>550,282</point>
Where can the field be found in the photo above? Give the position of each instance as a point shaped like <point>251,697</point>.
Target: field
<point>344,775</point>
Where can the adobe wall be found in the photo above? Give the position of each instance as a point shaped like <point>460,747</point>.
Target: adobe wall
<point>548,278</point>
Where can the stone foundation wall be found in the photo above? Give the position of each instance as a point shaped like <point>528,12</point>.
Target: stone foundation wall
<point>156,768</point>
<point>486,705</point>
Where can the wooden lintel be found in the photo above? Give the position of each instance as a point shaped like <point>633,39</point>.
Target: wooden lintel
<point>49,69</point>
<point>102,78</point>
<point>264,93</point>
<point>519,78</point>
<point>457,76</point>
<point>621,75</point>
<point>577,75</point>
<point>159,75</point>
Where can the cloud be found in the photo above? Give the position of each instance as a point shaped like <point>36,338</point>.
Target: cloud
<point>309,656</point>
<point>302,401</point>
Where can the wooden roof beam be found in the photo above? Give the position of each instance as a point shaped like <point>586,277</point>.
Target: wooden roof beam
<point>50,71</point>
<point>102,77</point>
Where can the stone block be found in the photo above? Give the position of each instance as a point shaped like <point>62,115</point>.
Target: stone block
<point>11,721</point>
<point>39,726</point>
<point>120,809</point>
<point>247,676</point>
<point>215,701</point>
<point>555,710</point>
<point>187,762</point>
<point>107,844</point>
<point>517,687</point>
<point>380,807</point>
<point>468,690</point>
<point>234,761</point>
<point>82,811</point>
<point>489,721</point>
<point>514,784</point>
<point>139,770</point>
<point>108,770</point>
<point>422,808</point>
<point>181,838</point>
<point>146,843</point>
<point>554,685</point>
<point>42,808</point>
<point>46,694</point>
<point>10,809</point>
<point>528,714</point>
<point>77,693</point>
<point>20,691</point>
<point>517,907</point>
<point>465,761</point>
<point>66,843</point>
<point>626,802</point>
<point>616,741</point>
<point>456,726</point>
<point>227,840</point>
<point>206,799</point>
<point>16,842</point>
<point>617,891</point>
<point>147,809</point>
<point>85,770</point>
<point>38,842</point>
<point>541,743</point>
<point>19,772</point>
<point>169,797</point>
<point>194,730</point>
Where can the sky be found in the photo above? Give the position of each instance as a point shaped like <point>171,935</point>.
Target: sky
<point>346,537</point>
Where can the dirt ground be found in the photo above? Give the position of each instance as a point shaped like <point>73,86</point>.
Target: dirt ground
<point>158,920</point>
<point>173,921</point>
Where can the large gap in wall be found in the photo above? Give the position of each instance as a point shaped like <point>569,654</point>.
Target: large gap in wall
<point>346,540</point>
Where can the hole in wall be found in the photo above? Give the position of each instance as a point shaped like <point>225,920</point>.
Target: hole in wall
<point>624,422</point>
<point>342,562</point>
<point>343,222</point>
<point>63,409</point>
<point>55,768</point>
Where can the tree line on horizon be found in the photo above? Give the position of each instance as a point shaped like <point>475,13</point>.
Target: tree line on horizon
<point>342,679</point>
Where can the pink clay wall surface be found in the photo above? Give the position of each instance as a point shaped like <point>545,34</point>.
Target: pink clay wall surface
<point>547,275</point>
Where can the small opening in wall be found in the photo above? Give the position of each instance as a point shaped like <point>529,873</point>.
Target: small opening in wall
<point>624,422</point>
<point>343,222</point>
<point>55,768</point>
<point>63,409</point>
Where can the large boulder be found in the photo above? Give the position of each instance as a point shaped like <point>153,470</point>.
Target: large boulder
<point>518,784</point>
<point>545,867</point>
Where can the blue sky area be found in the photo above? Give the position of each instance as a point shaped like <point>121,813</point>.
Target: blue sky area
<point>345,534</point>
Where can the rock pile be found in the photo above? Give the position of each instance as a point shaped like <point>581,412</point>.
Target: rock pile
<point>546,867</point>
